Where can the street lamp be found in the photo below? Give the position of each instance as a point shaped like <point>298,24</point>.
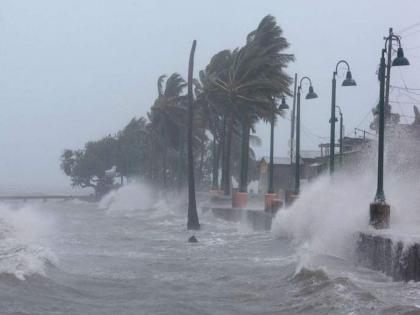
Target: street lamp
<point>348,81</point>
<point>379,209</point>
<point>311,95</point>
<point>282,106</point>
<point>270,204</point>
<point>341,135</point>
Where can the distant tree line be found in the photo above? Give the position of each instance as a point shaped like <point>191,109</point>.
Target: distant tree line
<point>236,89</point>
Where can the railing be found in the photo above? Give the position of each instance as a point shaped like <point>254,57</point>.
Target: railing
<point>46,197</point>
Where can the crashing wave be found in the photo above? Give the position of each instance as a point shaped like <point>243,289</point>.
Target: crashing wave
<point>23,234</point>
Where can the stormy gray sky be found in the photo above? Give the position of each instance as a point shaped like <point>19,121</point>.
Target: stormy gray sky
<point>73,71</point>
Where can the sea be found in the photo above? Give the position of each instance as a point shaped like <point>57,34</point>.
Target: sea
<point>128,254</point>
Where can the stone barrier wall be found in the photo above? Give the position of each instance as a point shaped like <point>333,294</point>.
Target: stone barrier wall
<point>394,258</point>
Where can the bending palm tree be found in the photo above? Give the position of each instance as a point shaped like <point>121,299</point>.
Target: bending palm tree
<point>168,117</point>
<point>252,76</point>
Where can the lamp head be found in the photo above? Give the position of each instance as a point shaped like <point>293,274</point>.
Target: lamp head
<point>283,105</point>
<point>311,94</point>
<point>400,60</point>
<point>349,80</point>
<point>334,120</point>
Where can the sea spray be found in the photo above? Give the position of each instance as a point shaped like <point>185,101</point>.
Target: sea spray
<point>130,197</point>
<point>140,198</point>
<point>330,211</point>
<point>24,236</point>
<point>327,214</point>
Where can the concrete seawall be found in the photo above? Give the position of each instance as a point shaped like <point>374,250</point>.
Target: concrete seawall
<point>395,257</point>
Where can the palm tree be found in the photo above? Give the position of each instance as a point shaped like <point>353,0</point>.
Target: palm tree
<point>168,117</point>
<point>271,81</point>
<point>247,82</point>
<point>212,105</point>
<point>209,119</point>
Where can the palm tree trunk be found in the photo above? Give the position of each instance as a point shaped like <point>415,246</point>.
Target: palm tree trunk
<point>181,160</point>
<point>153,172</point>
<point>200,168</point>
<point>223,151</point>
<point>243,183</point>
<point>228,143</point>
<point>192,223</point>
<point>165,150</point>
<point>215,172</point>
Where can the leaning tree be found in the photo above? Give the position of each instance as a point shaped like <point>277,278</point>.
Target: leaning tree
<point>168,118</point>
<point>193,222</point>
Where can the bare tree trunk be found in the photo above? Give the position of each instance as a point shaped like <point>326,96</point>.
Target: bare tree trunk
<point>193,223</point>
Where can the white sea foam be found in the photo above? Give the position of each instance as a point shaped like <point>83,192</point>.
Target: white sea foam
<point>24,234</point>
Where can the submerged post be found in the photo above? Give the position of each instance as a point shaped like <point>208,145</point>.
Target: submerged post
<point>193,223</point>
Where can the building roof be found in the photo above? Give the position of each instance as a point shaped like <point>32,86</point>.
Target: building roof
<point>316,164</point>
<point>278,160</point>
<point>309,154</point>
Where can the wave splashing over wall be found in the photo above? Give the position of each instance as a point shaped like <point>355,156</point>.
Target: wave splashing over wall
<point>128,198</point>
<point>24,235</point>
<point>330,211</point>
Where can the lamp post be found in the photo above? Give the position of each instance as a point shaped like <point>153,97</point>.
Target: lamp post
<point>341,135</point>
<point>292,125</point>
<point>348,81</point>
<point>270,192</point>
<point>283,106</point>
<point>311,94</point>
<point>379,209</point>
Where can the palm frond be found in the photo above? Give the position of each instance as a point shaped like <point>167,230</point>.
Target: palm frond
<point>160,84</point>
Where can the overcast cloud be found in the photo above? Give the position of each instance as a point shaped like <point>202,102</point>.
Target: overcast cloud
<point>73,71</point>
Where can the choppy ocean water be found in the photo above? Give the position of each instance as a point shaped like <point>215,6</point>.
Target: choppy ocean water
<point>129,255</point>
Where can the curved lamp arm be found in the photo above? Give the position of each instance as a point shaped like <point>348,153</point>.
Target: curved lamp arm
<point>393,37</point>
<point>338,63</point>
<point>307,78</point>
